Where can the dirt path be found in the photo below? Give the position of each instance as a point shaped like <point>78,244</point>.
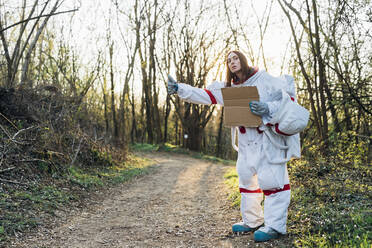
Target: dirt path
<point>183,203</point>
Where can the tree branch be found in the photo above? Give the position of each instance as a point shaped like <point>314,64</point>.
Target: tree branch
<point>7,169</point>
<point>14,182</point>
<point>36,17</point>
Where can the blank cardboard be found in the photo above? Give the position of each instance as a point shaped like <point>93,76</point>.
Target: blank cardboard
<point>237,111</point>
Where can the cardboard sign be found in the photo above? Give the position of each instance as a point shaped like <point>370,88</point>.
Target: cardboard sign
<point>237,111</point>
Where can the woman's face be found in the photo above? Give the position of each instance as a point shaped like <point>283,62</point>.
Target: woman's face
<point>233,62</point>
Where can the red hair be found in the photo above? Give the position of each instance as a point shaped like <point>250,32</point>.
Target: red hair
<point>245,69</point>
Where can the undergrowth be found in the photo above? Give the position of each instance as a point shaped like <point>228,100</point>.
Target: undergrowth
<point>52,158</point>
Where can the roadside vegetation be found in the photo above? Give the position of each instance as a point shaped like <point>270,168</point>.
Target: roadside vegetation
<point>50,163</point>
<point>331,204</point>
<point>24,207</point>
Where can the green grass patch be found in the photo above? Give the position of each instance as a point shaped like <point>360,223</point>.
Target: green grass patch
<point>122,172</point>
<point>114,174</point>
<point>213,159</point>
<point>143,147</point>
<point>232,181</point>
<point>20,209</point>
<point>176,149</point>
<point>329,208</point>
<point>85,178</point>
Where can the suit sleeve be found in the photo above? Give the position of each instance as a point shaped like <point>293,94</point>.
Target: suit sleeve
<point>211,95</point>
<point>270,93</point>
<point>289,89</point>
<point>273,108</point>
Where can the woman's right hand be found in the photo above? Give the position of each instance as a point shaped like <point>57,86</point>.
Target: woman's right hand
<point>172,85</point>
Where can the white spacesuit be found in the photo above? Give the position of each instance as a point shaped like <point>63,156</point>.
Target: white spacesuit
<point>263,151</point>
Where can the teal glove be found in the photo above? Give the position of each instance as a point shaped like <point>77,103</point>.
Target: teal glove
<point>259,108</point>
<point>172,86</point>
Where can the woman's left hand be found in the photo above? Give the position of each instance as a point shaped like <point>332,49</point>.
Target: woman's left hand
<point>259,108</point>
<point>172,85</point>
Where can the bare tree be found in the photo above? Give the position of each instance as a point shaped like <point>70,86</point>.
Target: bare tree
<point>326,58</point>
<point>146,51</point>
<point>194,55</point>
<point>25,42</point>
<point>113,106</point>
<point>131,46</point>
<point>105,104</point>
<point>241,30</point>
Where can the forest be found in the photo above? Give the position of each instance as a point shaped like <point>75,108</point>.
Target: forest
<point>83,84</point>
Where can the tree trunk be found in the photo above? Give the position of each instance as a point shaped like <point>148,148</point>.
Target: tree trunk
<point>219,137</point>
<point>107,123</point>
<point>166,116</point>
<point>134,131</point>
<point>194,140</point>
<point>322,75</point>
<point>113,107</point>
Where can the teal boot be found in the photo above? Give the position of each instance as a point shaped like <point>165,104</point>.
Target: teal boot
<point>265,234</point>
<point>241,228</point>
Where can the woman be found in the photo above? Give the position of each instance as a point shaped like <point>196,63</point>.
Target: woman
<point>262,157</point>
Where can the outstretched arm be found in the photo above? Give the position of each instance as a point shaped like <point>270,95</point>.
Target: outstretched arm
<point>211,95</point>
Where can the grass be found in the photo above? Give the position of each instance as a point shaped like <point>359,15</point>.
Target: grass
<point>115,174</point>
<point>20,208</point>
<point>329,207</point>
<point>232,181</point>
<point>175,149</point>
